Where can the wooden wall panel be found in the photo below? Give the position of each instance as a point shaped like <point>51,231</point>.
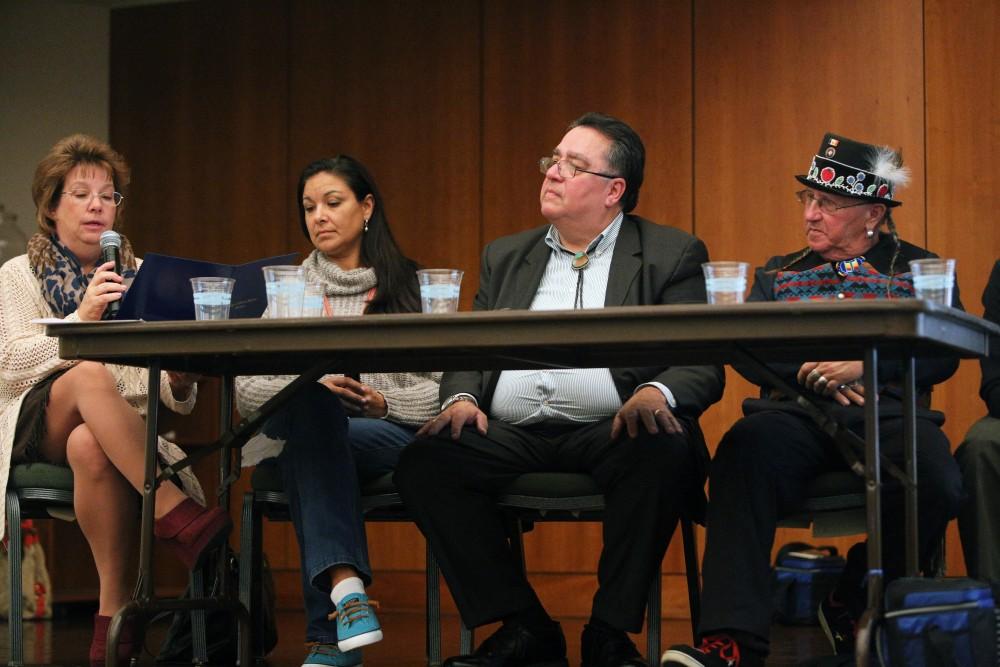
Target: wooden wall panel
<point>545,64</point>
<point>396,85</point>
<point>770,79</point>
<point>963,191</point>
<point>198,107</point>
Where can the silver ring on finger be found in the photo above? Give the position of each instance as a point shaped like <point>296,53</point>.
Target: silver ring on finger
<point>841,387</point>
<point>821,381</point>
<point>657,411</point>
<point>814,375</point>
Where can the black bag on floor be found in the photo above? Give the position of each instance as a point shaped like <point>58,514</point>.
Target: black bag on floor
<point>949,622</point>
<point>802,576</point>
<point>221,628</point>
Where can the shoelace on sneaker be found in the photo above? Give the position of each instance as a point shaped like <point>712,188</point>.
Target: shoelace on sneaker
<point>723,646</point>
<point>323,649</point>
<point>353,611</point>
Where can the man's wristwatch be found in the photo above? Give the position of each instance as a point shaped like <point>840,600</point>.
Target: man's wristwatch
<point>459,397</point>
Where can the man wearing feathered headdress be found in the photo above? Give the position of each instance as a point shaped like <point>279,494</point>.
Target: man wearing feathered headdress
<point>764,465</point>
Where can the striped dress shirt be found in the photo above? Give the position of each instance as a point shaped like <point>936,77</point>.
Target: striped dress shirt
<point>564,395</point>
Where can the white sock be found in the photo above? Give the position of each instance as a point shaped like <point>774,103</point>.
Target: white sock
<point>345,588</point>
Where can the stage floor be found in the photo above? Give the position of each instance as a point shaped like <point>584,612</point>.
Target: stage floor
<point>65,641</point>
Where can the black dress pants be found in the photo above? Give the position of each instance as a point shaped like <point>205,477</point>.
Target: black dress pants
<point>450,488</point>
<point>760,474</point>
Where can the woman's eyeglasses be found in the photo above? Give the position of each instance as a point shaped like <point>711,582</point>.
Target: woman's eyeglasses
<point>85,197</point>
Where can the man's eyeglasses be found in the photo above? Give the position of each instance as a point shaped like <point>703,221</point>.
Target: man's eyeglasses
<point>828,206</point>
<point>567,169</point>
<point>85,196</point>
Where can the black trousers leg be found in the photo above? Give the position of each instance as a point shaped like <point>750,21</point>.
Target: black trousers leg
<point>760,474</point>
<point>450,487</point>
<point>979,459</point>
<point>646,482</point>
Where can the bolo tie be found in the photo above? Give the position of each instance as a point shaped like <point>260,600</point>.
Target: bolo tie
<point>846,267</point>
<point>581,260</point>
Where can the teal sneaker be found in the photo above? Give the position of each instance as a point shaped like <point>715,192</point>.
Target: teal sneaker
<point>357,624</point>
<point>328,655</point>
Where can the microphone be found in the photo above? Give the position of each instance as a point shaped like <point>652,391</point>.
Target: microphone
<point>111,245</point>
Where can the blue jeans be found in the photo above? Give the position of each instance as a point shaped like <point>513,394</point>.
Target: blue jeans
<point>326,459</point>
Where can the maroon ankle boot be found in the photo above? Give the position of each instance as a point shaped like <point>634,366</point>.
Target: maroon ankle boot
<point>192,530</point>
<point>129,641</point>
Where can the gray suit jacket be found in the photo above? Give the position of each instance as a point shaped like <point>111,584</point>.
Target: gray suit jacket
<point>652,264</point>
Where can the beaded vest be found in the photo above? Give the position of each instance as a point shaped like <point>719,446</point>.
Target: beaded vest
<point>824,282</point>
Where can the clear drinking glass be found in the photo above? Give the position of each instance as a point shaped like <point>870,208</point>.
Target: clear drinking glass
<point>285,287</point>
<point>212,297</point>
<point>725,282</point>
<point>933,279</point>
<point>439,289</point>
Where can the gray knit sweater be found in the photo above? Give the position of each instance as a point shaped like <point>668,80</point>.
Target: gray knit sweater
<point>412,398</point>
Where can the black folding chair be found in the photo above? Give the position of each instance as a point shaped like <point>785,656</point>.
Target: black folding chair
<point>33,491</point>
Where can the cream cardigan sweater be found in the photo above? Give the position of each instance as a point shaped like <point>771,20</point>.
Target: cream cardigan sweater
<point>27,356</point>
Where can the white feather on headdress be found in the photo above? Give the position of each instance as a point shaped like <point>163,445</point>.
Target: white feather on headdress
<point>888,164</point>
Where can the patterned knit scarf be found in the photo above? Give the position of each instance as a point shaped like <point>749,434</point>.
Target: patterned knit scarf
<point>61,275</point>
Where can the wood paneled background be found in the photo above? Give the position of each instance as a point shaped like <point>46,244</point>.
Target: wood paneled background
<point>218,106</point>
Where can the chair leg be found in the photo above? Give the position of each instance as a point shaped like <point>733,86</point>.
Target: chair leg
<point>433,610</point>
<point>938,565</point>
<point>15,622</point>
<point>199,642</point>
<point>515,536</point>
<point>466,636</point>
<point>251,558</point>
<point>693,575</point>
<point>653,615</point>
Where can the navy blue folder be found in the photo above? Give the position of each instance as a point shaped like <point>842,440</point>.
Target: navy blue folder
<point>162,287</point>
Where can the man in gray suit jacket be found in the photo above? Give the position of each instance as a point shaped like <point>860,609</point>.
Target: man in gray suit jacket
<point>635,430</point>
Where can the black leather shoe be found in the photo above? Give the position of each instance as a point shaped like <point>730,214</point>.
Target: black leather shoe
<point>514,645</point>
<point>601,648</point>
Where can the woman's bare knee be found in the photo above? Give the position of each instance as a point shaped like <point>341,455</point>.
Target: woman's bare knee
<point>85,455</point>
<point>86,381</point>
<point>88,376</point>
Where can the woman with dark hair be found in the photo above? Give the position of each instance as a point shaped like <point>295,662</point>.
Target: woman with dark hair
<point>89,415</point>
<point>341,432</point>
<point>764,464</point>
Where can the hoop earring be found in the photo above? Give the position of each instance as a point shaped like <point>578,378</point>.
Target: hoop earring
<point>366,225</point>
